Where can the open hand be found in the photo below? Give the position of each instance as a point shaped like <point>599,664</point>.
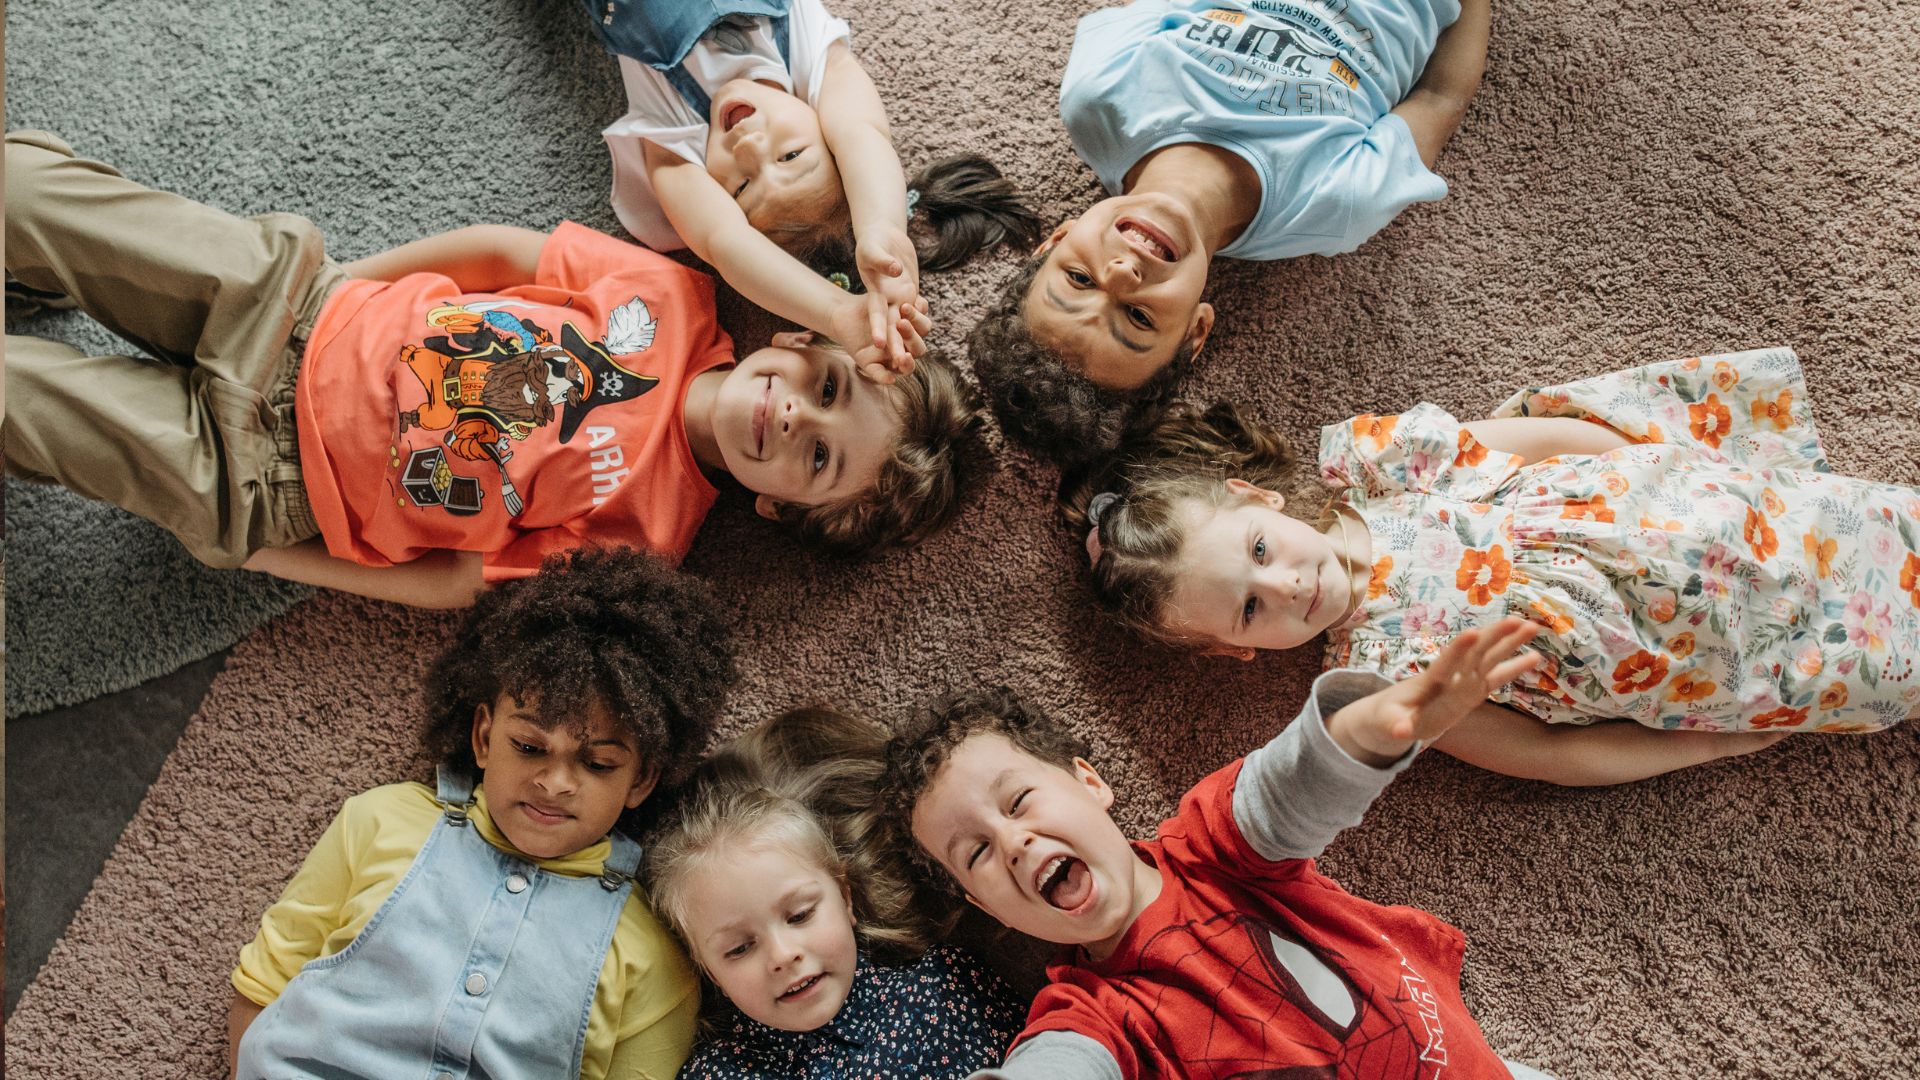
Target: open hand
<point>881,358</point>
<point>890,269</point>
<point>1423,707</point>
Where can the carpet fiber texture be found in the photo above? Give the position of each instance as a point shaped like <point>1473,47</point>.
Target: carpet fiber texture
<point>1635,182</point>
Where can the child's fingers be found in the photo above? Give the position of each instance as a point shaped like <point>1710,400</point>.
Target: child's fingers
<point>877,371</point>
<point>877,319</point>
<point>910,336</point>
<point>916,314</point>
<point>1512,668</point>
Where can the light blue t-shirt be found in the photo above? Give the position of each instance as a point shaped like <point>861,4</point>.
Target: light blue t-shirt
<point>1302,89</point>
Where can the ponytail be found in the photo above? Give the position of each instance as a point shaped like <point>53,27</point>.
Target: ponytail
<point>969,207</point>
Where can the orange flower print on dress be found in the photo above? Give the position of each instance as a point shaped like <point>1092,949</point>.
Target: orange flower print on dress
<point>1472,450</point>
<point>1708,420</point>
<point>1724,375</point>
<point>1910,578</point>
<point>1639,672</point>
<point>1593,509</point>
<point>1833,696</point>
<point>1616,484</point>
<point>1681,645</point>
<point>1377,430</point>
<point>1760,536</point>
<point>1666,525</point>
<point>1377,584</point>
<point>1820,553</point>
<point>1483,574</point>
<point>1809,662</point>
<point>1778,412</point>
<point>1687,687</point>
<point>1782,717</point>
<point>1551,616</point>
<point>1663,606</point>
<point>1771,500</point>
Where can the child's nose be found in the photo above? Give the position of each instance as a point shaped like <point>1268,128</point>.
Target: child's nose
<point>1124,270</point>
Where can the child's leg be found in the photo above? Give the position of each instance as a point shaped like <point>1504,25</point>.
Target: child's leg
<point>190,283</point>
<point>1503,740</point>
<point>139,434</point>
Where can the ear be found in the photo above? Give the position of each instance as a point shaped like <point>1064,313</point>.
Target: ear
<point>1200,328</point>
<point>1250,490</point>
<point>1244,652</point>
<point>793,339</point>
<point>1084,772</point>
<point>1059,233</point>
<point>643,785</point>
<point>482,731</point>
<point>767,507</point>
<point>846,897</point>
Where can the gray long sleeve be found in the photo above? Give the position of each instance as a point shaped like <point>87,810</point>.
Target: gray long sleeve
<point>1296,793</point>
<point>1055,1055</point>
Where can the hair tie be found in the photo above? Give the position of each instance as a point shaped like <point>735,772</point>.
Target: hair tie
<point>842,280</point>
<point>1096,507</point>
<point>913,200</point>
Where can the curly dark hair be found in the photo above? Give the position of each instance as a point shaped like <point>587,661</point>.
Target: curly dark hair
<point>922,745</point>
<point>616,629</point>
<point>1040,396</point>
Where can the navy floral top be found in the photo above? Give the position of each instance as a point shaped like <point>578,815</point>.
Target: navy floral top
<point>945,1016</point>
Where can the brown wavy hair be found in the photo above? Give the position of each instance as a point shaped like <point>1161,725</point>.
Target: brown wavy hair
<point>924,744</point>
<point>1040,396</point>
<point>808,781</point>
<point>1185,455</point>
<point>918,491</point>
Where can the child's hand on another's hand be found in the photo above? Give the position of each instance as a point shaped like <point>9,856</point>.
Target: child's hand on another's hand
<point>873,358</point>
<point>890,269</point>
<point>1380,727</point>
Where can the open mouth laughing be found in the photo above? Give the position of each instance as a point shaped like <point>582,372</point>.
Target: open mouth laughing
<point>1065,882</point>
<point>1146,239</point>
<point>732,113</point>
<point>802,988</point>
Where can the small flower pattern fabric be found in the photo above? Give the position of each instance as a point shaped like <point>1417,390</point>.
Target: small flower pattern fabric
<point>944,1016</point>
<point>1714,575</point>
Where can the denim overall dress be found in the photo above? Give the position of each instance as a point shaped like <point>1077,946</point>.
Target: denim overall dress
<point>479,965</point>
<point>660,33</point>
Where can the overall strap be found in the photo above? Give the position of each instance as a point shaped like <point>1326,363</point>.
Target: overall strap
<point>455,793</point>
<point>623,862</point>
<point>696,96</point>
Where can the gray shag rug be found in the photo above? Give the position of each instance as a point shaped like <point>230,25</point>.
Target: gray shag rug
<point>1637,181</point>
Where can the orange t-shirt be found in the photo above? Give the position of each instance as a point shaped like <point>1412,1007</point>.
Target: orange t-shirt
<point>514,424</point>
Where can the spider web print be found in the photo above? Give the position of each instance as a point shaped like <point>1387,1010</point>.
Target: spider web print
<point>1293,1038</point>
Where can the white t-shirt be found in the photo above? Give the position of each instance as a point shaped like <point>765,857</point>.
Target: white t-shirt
<point>740,47</point>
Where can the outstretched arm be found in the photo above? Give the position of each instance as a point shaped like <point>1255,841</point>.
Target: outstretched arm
<point>1507,741</point>
<point>1379,728</point>
<point>1437,103</point>
<point>1536,438</point>
<point>854,122</point>
<point>479,258</point>
<point>716,229</point>
<point>440,579</point>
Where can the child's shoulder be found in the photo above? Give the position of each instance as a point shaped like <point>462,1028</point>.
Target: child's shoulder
<point>401,805</point>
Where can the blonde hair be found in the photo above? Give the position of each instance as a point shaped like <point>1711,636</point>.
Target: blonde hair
<point>918,490</point>
<point>1183,456</point>
<point>804,782</point>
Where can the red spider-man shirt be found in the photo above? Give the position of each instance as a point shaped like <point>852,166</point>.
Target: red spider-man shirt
<point>1248,968</point>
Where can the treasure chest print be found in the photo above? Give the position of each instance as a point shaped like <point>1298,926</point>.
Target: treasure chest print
<point>492,378</point>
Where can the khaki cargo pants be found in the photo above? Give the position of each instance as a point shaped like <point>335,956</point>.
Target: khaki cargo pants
<point>200,439</point>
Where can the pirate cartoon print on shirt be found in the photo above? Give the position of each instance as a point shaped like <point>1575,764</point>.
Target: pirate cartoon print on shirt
<point>493,378</point>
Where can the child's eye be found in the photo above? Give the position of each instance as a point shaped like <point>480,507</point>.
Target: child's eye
<point>1260,549</point>
<point>799,918</point>
<point>1139,317</point>
<point>974,856</point>
<point>829,391</point>
<point>601,766</point>
<point>525,748</point>
<point>1079,279</point>
<point>1246,613</point>
<point>819,456</point>
<point>738,951</point>
<point>790,155</point>
<point>741,188</point>
<point>1017,800</point>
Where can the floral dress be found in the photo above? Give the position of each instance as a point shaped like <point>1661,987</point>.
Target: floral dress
<point>1713,575</point>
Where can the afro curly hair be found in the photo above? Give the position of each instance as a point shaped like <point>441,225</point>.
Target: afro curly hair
<point>614,629</point>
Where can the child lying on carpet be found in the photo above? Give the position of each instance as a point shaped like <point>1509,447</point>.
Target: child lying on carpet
<point>773,879</point>
<point>1248,130</point>
<point>755,138</point>
<point>1673,528</point>
<point>467,404</point>
<point>493,928</point>
<point>1217,949</point>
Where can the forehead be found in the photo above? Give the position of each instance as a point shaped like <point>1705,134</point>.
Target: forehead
<point>1213,561</point>
<point>868,428</point>
<point>717,884</point>
<point>1078,325</point>
<point>966,785</point>
<point>598,725</point>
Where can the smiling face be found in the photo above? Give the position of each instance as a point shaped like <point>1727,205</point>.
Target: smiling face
<point>800,426</point>
<point>1121,287</point>
<point>1032,844</point>
<point>764,148</point>
<point>774,931</point>
<point>553,792</point>
<point>1251,577</point>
